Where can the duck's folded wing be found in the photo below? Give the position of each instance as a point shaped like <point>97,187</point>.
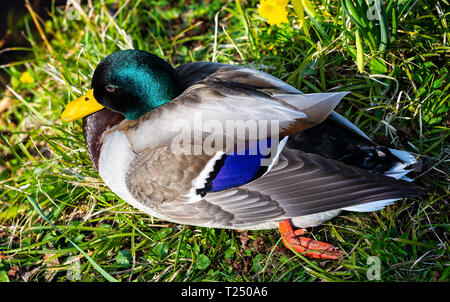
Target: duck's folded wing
<point>218,95</point>
<point>220,109</point>
<point>299,184</point>
<point>306,183</point>
<point>195,72</point>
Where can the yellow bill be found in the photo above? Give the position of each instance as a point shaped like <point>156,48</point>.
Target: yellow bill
<point>81,107</point>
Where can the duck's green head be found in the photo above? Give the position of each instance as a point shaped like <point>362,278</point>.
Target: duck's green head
<point>131,82</point>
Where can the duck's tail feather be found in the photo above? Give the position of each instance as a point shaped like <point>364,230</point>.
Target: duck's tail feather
<point>397,171</point>
<point>402,167</point>
<point>335,141</point>
<point>371,206</point>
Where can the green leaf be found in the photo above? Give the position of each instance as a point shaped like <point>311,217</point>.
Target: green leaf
<point>160,249</point>
<point>229,253</point>
<point>165,232</point>
<point>4,276</point>
<point>438,83</point>
<point>203,261</point>
<point>124,257</point>
<point>256,267</point>
<point>196,249</point>
<point>377,66</point>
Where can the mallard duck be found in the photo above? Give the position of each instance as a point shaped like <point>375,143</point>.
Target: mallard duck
<point>315,163</point>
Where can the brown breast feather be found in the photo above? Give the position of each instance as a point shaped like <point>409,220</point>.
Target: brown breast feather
<point>93,127</point>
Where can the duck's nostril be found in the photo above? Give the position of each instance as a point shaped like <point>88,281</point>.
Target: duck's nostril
<point>63,109</point>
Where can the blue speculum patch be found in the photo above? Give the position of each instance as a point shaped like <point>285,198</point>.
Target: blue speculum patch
<point>242,167</point>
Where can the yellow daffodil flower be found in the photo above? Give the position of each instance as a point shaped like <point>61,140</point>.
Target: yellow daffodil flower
<point>26,78</point>
<point>274,11</point>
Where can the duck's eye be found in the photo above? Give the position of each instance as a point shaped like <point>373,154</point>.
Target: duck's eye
<point>111,88</point>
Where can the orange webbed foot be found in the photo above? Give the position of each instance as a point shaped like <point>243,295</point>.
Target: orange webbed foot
<point>318,249</point>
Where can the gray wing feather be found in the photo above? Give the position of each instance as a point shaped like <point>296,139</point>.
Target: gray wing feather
<point>247,206</point>
<point>192,73</point>
<point>231,208</point>
<point>304,183</point>
<point>202,213</point>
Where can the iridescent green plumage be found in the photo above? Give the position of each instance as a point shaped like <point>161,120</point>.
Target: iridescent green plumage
<point>133,82</point>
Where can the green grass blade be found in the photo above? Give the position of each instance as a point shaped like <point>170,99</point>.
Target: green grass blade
<point>384,26</point>
<point>94,264</point>
<point>359,53</point>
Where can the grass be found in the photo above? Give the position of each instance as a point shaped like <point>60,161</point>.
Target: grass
<point>59,222</point>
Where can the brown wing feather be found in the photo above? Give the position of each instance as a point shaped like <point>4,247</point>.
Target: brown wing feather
<point>228,209</point>
<point>158,175</point>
